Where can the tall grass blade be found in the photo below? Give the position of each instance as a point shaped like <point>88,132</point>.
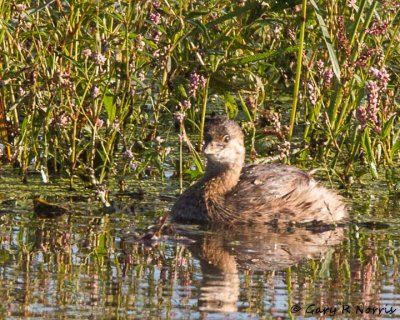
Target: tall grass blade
<point>366,143</point>
<point>328,41</point>
<point>298,68</point>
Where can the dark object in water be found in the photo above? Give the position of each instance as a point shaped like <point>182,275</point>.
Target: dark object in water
<point>44,209</point>
<point>230,193</point>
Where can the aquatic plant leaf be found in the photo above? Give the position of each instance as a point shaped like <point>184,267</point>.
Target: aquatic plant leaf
<point>39,8</point>
<point>259,56</point>
<point>199,26</point>
<point>245,109</point>
<point>235,13</point>
<point>169,64</point>
<point>182,90</point>
<point>387,128</point>
<point>280,5</point>
<point>198,164</point>
<point>373,169</point>
<point>110,107</point>
<point>324,271</point>
<point>230,105</point>
<point>197,13</point>
<point>366,143</point>
<point>101,248</point>
<point>328,41</point>
<point>358,79</point>
<point>395,149</point>
<point>3,126</point>
<point>4,256</point>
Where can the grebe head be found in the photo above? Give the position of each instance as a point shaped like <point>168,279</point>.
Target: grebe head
<point>223,143</point>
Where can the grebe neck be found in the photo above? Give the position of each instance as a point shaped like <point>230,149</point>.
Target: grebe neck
<point>220,179</point>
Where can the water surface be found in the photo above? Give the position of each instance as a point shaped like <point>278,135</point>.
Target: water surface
<point>92,265</point>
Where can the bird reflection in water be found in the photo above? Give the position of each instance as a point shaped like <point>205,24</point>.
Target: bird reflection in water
<point>225,252</point>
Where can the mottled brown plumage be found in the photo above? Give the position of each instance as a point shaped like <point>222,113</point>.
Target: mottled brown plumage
<point>231,193</point>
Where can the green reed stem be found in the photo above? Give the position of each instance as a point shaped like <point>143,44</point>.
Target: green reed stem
<point>357,21</point>
<point>289,289</point>
<point>390,47</point>
<point>338,96</point>
<point>73,150</point>
<point>335,121</point>
<point>181,132</point>
<point>107,155</point>
<point>203,114</point>
<point>354,151</point>
<point>298,68</point>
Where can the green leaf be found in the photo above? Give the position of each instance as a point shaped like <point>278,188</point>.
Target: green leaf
<point>366,143</point>
<point>387,127</point>
<point>395,148</point>
<point>110,107</point>
<point>235,13</point>
<point>182,90</point>
<point>245,109</point>
<point>230,105</point>
<point>201,27</point>
<point>169,64</point>
<point>39,8</point>
<point>358,79</point>
<point>259,56</point>
<point>101,248</point>
<point>324,271</point>
<point>195,14</point>
<point>396,145</point>
<point>328,41</point>
<point>198,164</point>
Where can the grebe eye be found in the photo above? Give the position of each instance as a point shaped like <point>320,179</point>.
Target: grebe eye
<point>227,138</point>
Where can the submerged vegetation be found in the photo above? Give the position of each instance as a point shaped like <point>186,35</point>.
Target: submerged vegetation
<point>93,88</point>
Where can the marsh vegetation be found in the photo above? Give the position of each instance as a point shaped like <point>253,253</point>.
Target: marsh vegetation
<point>110,86</point>
<point>112,96</point>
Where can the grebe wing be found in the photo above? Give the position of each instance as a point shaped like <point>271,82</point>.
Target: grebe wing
<point>273,181</point>
<point>267,193</point>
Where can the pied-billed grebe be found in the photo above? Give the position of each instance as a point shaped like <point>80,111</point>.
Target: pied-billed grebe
<point>231,193</point>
